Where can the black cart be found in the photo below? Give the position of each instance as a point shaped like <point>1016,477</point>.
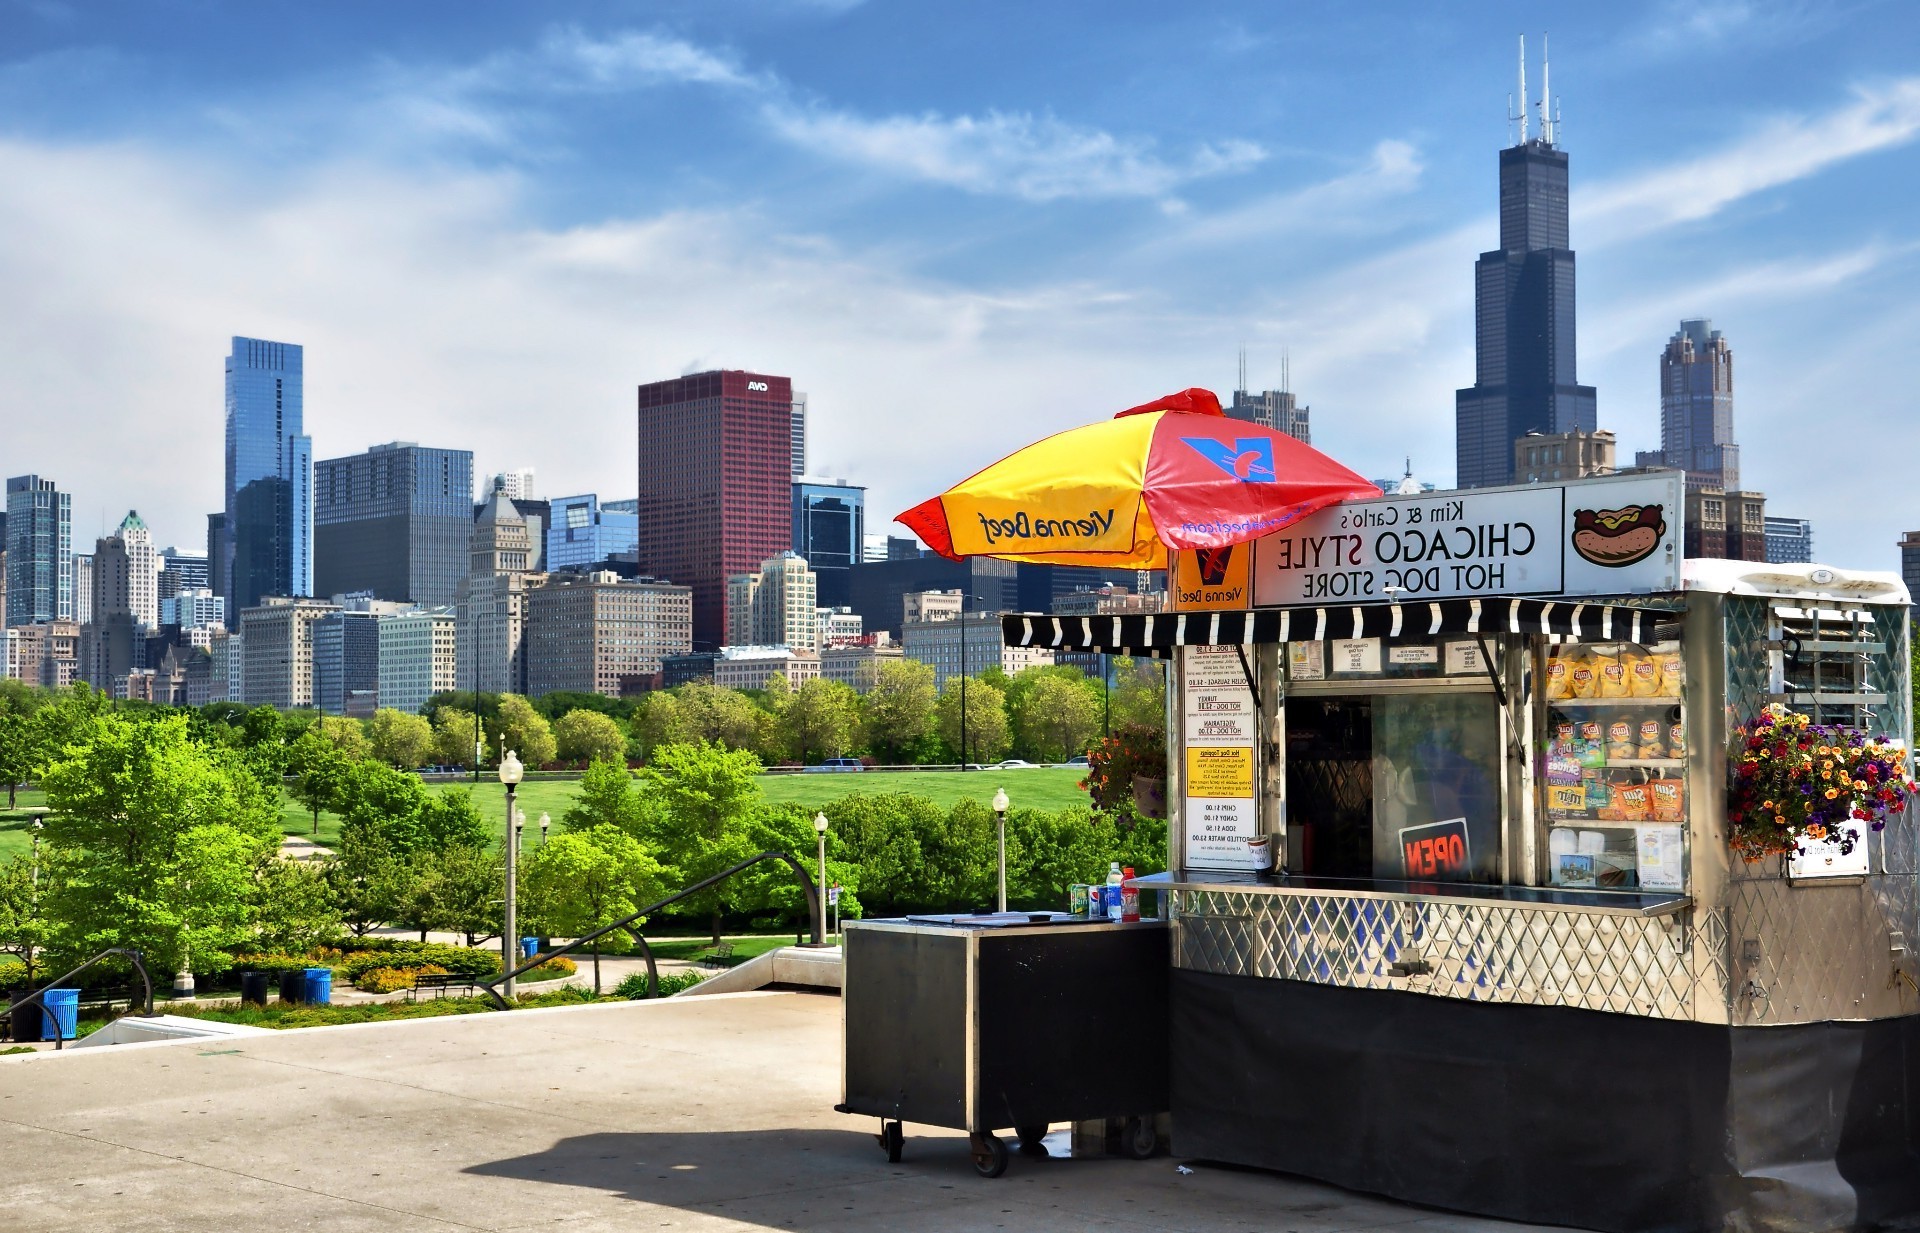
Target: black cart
<point>985,1023</point>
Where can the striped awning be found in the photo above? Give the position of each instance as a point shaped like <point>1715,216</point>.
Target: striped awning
<point>1157,633</point>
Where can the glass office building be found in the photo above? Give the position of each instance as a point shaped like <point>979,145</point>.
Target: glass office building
<point>1523,337</point>
<point>39,544</point>
<point>267,543</point>
<point>583,532</point>
<point>829,529</point>
<point>393,522</point>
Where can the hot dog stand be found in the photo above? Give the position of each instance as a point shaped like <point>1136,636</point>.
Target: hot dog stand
<point>1506,961</point>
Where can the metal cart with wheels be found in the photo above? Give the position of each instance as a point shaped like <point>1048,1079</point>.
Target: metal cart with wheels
<point>1006,1022</point>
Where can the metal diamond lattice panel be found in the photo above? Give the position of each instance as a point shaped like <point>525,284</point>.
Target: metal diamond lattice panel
<point>1473,951</point>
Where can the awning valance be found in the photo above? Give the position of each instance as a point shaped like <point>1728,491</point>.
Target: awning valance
<point>1157,633</point>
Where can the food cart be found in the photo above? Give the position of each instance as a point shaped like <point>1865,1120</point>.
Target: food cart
<point>1496,952</point>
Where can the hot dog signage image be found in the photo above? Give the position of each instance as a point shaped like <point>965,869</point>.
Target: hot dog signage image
<point>1618,537</point>
<point>1605,536</point>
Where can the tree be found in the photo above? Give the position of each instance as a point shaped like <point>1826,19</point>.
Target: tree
<point>986,726</point>
<point>660,719</point>
<point>818,718</point>
<point>27,882</point>
<point>465,890</point>
<point>453,736</point>
<point>524,730</point>
<point>294,906</point>
<point>399,739</point>
<point>579,881</point>
<point>1057,714</point>
<point>16,754</point>
<point>586,736</point>
<point>707,793</point>
<point>320,770</point>
<point>161,837</point>
<point>716,713</point>
<point>1139,693</point>
<point>789,828</point>
<point>900,710</point>
<point>607,797</point>
<point>344,734</point>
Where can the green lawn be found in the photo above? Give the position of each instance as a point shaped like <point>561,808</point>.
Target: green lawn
<point>1040,788</point>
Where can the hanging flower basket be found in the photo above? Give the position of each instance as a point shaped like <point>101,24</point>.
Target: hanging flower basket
<point>1150,796</point>
<point>1795,781</point>
<point>1128,771</point>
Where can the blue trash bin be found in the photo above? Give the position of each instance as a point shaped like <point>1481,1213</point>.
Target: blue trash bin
<point>60,1013</point>
<point>529,947</point>
<point>317,986</point>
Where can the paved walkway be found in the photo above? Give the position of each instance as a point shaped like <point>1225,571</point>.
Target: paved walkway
<point>707,1114</point>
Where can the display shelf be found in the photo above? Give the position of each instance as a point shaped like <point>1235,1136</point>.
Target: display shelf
<point>1559,819</point>
<point>1581,704</point>
<point>1641,763</point>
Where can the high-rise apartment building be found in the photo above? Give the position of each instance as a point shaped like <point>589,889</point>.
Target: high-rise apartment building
<point>266,537</point>
<point>346,659</point>
<point>798,435</point>
<point>217,554</point>
<point>777,606</point>
<point>126,577</point>
<point>599,633</point>
<point>395,521</point>
<point>715,477</point>
<point>1524,378</point>
<point>1789,540</point>
<point>83,587</point>
<point>829,530</point>
<point>39,551</point>
<point>954,644</point>
<point>419,657</point>
<point>583,532</point>
<point>182,571</point>
<point>277,650</point>
<point>492,601</point>
<point>194,608</point>
<point>1696,408</point>
<point>518,483</point>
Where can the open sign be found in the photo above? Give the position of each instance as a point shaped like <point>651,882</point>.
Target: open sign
<point>1437,850</point>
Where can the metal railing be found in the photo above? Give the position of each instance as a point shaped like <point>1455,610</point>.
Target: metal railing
<point>38,996</point>
<point>653,974</point>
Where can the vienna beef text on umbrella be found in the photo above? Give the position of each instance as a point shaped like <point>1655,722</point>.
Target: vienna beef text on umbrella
<point>1174,473</point>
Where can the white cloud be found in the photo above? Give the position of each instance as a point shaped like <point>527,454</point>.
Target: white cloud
<point>633,59</point>
<point>1039,158</point>
<point>1787,149</point>
<point>1392,170</point>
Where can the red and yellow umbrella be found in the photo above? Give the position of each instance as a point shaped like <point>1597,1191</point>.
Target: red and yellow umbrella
<point>1175,473</point>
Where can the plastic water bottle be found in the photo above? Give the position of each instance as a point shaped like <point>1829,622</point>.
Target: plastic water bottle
<point>1112,897</point>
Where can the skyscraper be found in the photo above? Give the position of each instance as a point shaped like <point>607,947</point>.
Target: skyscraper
<point>267,543</point>
<point>798,443</point>
<point>39,551</point>
<point>716,457</point>
<point>492,603</point>
<point>126,575</point>
<point>583,531</point>
<point>1696,408</point>
<point>394,521</point>
<point>1524,378</point>
<point>829,530</point>
<point>1275,409</point>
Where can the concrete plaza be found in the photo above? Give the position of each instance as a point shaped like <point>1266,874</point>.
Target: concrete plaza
<point>710,1113</point>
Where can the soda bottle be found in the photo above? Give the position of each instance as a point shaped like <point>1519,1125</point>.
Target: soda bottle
<point>1129,898</point>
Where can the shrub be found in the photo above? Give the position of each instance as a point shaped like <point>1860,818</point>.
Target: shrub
<point>552,969</point>
<point>467,961</point>
<point>392,980</point>
<point>275,964</point>
<point>635,984</point>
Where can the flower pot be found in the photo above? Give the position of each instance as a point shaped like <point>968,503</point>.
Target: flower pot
<point>1150,796</point>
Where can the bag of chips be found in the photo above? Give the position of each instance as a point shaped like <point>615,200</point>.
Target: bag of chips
<point>1669,800</point>
<point>1651,746</point>
<point>1643,676</point>
<point>1620,746</point>
<point>1676,740</point>
<point>1634,801</point>
<point>1559,686</point>
<point>1613,676</point>
<point>1672,673</point>
<point>1581,678</point>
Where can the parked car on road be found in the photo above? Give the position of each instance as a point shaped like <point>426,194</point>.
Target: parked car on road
<point>1016,764</point>
<point>838,764</point>
<point>1076,760</point>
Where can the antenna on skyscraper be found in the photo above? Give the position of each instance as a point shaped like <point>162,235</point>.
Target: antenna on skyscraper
<point>1286,372</point>
<point>1546,93</point>
<point>1243,368</point>
<point>1522,117</point>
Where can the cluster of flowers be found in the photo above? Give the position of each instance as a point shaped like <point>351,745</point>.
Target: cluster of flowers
<point>1113,763</point>
<point>1795,780</point>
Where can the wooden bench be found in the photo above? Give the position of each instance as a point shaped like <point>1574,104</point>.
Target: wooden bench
<point>440,982</point>
<point>718,957</point>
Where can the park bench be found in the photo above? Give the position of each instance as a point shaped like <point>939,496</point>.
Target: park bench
<point>719,957</point>
<point>440,982</point>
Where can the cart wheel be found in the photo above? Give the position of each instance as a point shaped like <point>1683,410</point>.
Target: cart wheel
<point>1141,1138</point>
<point>1032,1141</point>
<point>989,1155</point>
<point>891,1138</point>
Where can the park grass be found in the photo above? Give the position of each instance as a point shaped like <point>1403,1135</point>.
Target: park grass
<point>744,948</point>
<point>1050,787</point>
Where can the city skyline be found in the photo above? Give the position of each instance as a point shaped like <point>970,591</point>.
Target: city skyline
<point>435,216</point>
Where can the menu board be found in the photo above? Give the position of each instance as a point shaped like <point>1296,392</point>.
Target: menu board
<point>1219,724</point>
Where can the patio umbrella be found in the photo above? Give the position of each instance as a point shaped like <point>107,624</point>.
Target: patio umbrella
<point>1174,473</point>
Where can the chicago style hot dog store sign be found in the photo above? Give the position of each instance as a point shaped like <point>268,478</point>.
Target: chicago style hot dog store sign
<point>1614,535</point>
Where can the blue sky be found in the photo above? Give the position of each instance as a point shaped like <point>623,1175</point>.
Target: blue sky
<point>957,227</point>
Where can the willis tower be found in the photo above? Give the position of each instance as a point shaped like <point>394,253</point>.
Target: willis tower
<point>1523,312</point>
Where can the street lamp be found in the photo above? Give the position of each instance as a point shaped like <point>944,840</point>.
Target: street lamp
<point>820,890</point>
<point>963,675</point>
<point>510,773</point>
<point>1000,811</point>
<point>545,822</point>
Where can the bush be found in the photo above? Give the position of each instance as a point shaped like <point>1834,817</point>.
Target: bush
<point>392,980</point>
<point>634,985</point>
<point>467,961</point>
<point>552,969</point>
<point>275,964</point>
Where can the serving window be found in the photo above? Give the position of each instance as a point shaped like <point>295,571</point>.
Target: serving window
<point>1393,764</point>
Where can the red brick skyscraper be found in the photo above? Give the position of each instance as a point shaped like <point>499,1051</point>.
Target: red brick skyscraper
<point>715,484</point>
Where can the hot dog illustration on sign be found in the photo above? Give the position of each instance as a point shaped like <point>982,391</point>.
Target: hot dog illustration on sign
<point>1618,537</point>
